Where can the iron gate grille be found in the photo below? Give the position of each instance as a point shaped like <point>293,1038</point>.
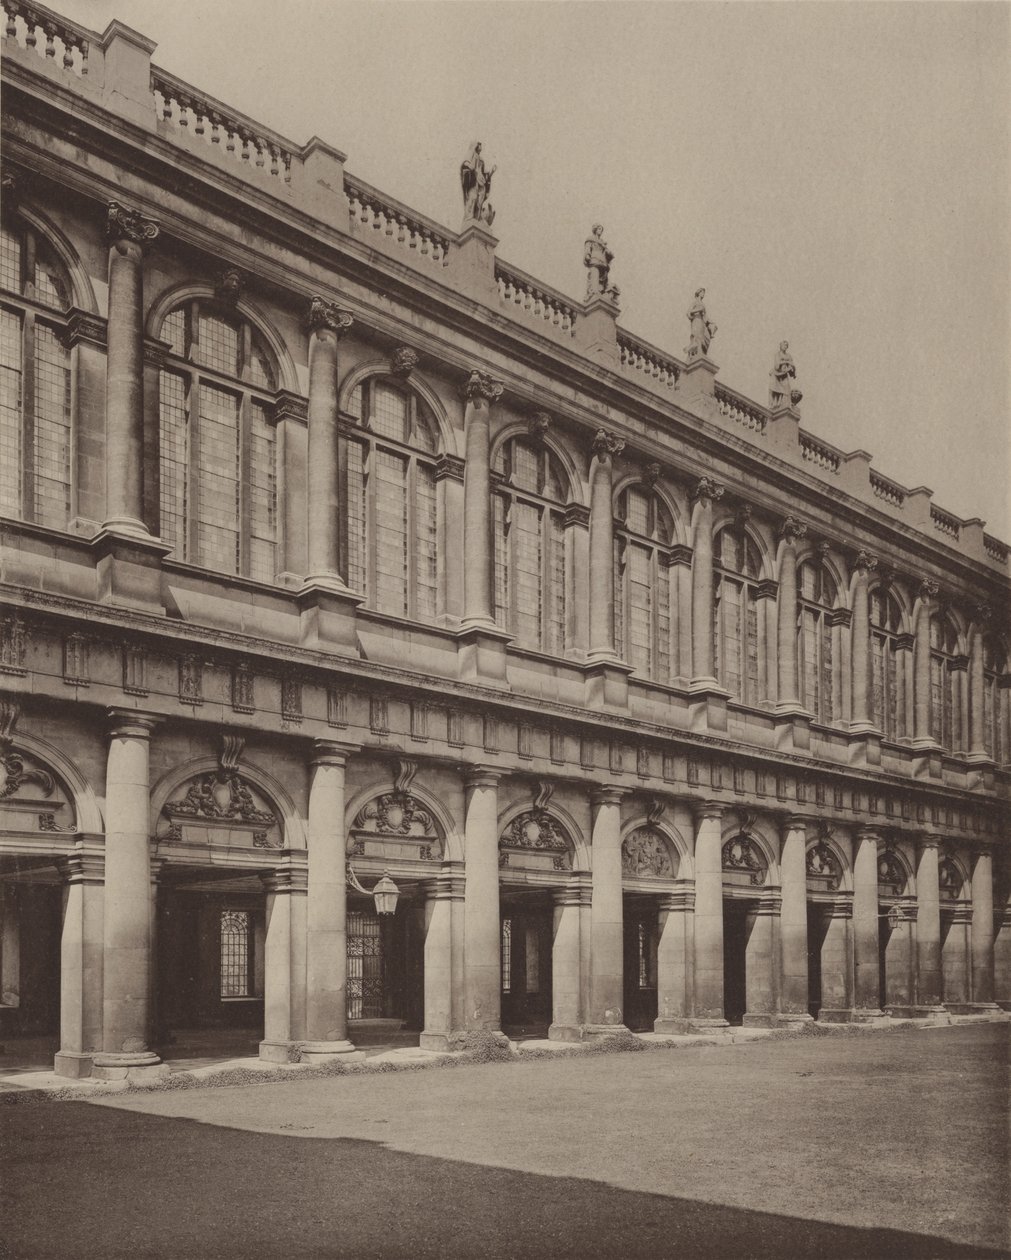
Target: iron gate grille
<point>366,966</point>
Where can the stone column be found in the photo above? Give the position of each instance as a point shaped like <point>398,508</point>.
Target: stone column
<point>703,673</point>
<point>836,964</point>
<point>284,960</point>
<point>128,232</point>
<point>482,950</point>
<point>921,665</point>
<point>440,895</point>
<point>860,642</point>
<point>708,1010</point>
<point>866,998</point>
<point>605,447</point>
<point>674,961</point>
<point>929,986</point>
<point>480,392</point>
<point>982,936</point>
<point>762,963</point>
<point>607,995</point>
<point>956,962</point>
<point>127,917</point>
<point>1002,936</point>
<point>788,697</point>
<point>793,1000</point>
<point>327,323</point>
<point>566,1008</point>
<point>977,736</point>
<point>81,960</point>
<point>326,1016</point>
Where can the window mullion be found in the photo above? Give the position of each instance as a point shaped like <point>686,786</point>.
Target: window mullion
<point>410,490</point>
<point>29,454</point>
<point>193,488</point>
<point>244,506</point>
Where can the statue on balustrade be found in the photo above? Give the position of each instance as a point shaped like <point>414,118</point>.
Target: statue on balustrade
<point>702,330</point>
<point>782,392</point>
<point>597,259</point>
<point>475,179</point>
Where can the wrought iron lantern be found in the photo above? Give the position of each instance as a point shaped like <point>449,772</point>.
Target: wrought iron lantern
<point>385,893</point>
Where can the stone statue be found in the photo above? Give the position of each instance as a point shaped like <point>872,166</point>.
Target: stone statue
<point>781,391</point>
<point>702,330</point>
<point>475,179</point>
<point>597,259</point>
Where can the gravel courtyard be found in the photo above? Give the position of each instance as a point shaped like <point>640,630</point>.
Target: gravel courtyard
<point>873,1144</point>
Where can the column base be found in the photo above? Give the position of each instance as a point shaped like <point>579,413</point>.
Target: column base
<point>73,1063</point>
<point>327,610</point>
<point>329,1051</point>
<point>705,1023</point>
<point>672,1027</point>
<point>971,1008</point>
<point>481,653</point>
<point>279,1051</point>
<point>918,1012</point>
<point>835,1015</point>
<point>760,1019</point>
<point>565,1032</point>
<point>139,1067</point>
<point>793,1019</point>
<point>440,1041</point>
<point>597,1032</point>
<point>869,1015</point>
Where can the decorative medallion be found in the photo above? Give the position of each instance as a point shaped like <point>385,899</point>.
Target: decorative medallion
<point>403,361</point>
<point>394,824</point>
<point>480,387</point>
<point>222,799</point>
<point>644,854</point>
<point>891,872</point>
<point>707,490</point>
<point>742,856</point>
<point>823,866</point>
<point>535,838</point>
<point>14,777</point>
<point>949,879</point>
<point>606,444</point>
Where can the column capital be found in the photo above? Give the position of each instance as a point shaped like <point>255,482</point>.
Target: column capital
<point>328,316</point>
<point>606,444</point>
<point>707,809</point>
<point>481,776</point>
<point>928,589</point>
<point>480,387</point>
<point>791,529</point>
<point>126,224</point>
<point>608,795</point>
<point>927,840</point>
<point>863,562</point>
<point>83,866</point>
<point>869,833</point>
<point>285,880</point>
<point>796,822</point>
<point>706,490</point>
<point>330,752</point>
<point>126,723</point>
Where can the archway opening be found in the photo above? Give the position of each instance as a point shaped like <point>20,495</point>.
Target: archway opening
<point>641,939</point>
<point>526,937</point>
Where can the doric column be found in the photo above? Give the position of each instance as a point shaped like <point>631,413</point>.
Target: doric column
<point>440,895</point>
<point>284,960</point>
<point>702,582</point>
<point>482,922</point>
<point>566,1007</point>
<point>836,963</point>
<point>326,323</point>
<point>860,641</point>
<point>928,924</point>
<point>977,703</point>
<point>480,392</point>
<point>900,964</point>
<point>81,944</point>
<point>605,447</point>
<point>788,696</point>
<point>762,962</point>
<point>127,912</point>
<point>674,961</point>
<point>708,1012</point>
<point>607,995</point>
<point>326,1016</point>
<point>866,997</point>
<point>128,232</point>
<point>982,927</point>
<point>793,1000</point>
<point>956,961</point>
<point>921,663</point>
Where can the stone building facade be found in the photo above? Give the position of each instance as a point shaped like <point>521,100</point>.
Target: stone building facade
<point>334,546</point>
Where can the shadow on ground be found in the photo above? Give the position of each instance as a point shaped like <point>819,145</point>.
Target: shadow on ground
<point>97,1183</point>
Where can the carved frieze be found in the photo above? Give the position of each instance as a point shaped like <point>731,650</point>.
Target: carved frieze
<point>891,872</point>
<point>191,679</point>
<point>744,860</point>
<point>291,699</point>
<point>221,806</point>
<point>535,838</point>
<point>134,670</point>
<point>645,855</point>
<point>242,688</point>
<point>824,869</point>
<point>949,879</point>
<point>396,824</point>
<point>336,706</point>
<point>76,661</point>
<point>13,645</point>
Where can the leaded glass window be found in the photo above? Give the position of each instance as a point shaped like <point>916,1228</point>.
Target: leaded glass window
<point>35,376</point>
<point>945,724</point>
<point>391,532</point>
<point>531,566</point>
<point>644,531</point>
<point>507,955</point>
<point>236,954</point>
<point>996,733</point>
<point>218,451</point>
<point>816,592</point>
<point>888,678</point>
<point>737,570</point>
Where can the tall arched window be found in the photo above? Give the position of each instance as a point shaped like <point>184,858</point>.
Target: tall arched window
<point>945,724</point>
<point>737,569</point>
<point>644,531</point>
<point>35,437</point>
<point>392,517</point>
<point>888,678</point>
<point>217,446</point>
<point>530,568</point>
<point>816,597</point>
<point>996,732</point>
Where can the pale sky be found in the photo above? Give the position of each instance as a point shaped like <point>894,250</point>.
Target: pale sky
<point>837,174</point>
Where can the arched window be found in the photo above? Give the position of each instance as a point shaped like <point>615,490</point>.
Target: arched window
<point>392,520</point>
<point>217,447</point>
<point>816,597</point>
<point>738,567</point>
<point>644,531</point>
<point>530,567</point>
<point>35,437</point>
<point>996,733</point>
<point>888,677</point>
<point>944,708</point>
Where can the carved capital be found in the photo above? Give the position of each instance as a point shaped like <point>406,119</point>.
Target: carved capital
<point>403,361</point>
<point>605,444</point>
<point>83,326</point>
<point>928,589</point>
<point>864,562</point>
<point>291,406</point>
<point>707,491</point>
<point>480,387</point>
<point>538,424</point>
<point>328,316</point>
<point>125,224</point>
<point>983,614</point>
<point>791,529</point>
<point>707,809</point>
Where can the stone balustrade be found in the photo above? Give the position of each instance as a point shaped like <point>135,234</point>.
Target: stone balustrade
<point>35,27</point>
<point>517,288</point>
<point>826,457</point>
<point>944,522</point>
<point>890,491</point>
<point>396,223</point>
<point>640,356</point>
<point>738,408</point>
<point>995,549</point>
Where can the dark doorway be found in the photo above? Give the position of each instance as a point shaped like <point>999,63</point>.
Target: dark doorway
<point>35,1012</point>
<point>817,928</point>
<point>884,933</point>
<point>385,964</point>
<point>735,968</point>
<point>641,933</point>
<point>526,968</point>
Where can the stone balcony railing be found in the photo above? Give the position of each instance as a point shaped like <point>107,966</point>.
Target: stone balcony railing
<point>113,69</point>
